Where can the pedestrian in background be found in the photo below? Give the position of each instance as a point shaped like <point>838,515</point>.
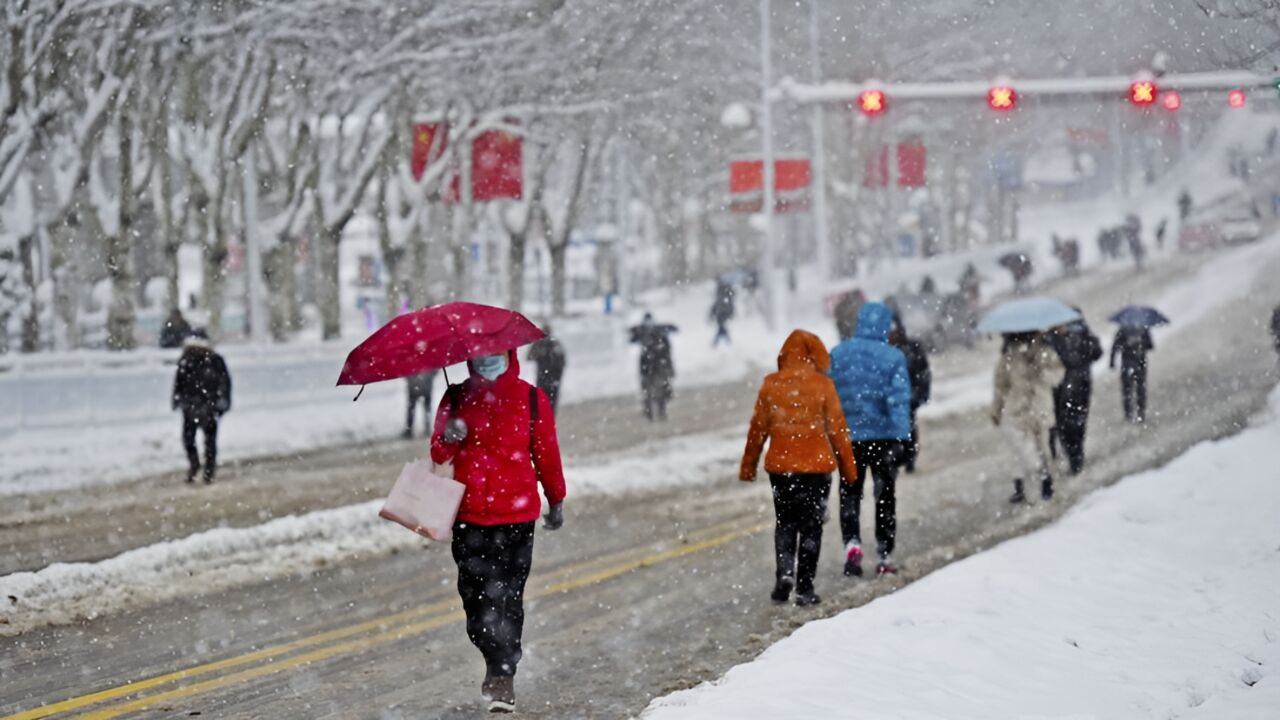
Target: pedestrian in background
<point>202,391</point>
<point>722,311</point>
<point>921,378</point>
<point>175,330</point>
<point>420,388</point>
<point>874,388</point>
<point>549,357</point>
<point>1275,329</point>
<point>1132,344</point>
<point>1026,375</point>
<point>500,434</point>
<point>1078,349</point>
<point>846,313</point>
<point>657,367</point>
<point>798,412</point>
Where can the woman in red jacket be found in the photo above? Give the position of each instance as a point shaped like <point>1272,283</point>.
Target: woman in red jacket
<point>500,434</point>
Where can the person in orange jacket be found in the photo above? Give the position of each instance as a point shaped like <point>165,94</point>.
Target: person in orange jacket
<point>799,412</point>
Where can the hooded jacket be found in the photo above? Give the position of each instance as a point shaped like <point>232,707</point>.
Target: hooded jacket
<point>1026,375</point>
<point>507,451</point>
<point>798,412</point>
<point>871,379</point>
<point>202,384</point>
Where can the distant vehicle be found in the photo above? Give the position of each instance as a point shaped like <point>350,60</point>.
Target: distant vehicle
<point>1240,227</point>
<point>1199,233</point>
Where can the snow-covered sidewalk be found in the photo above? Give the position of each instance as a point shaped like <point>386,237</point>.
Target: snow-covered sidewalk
<point>1156,598</point>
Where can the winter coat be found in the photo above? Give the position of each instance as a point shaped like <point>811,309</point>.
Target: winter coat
<point>799,412</point>
<point>846,313</point>
<point>507,451</point>
<point>723,307</point>
<point>918,371</point>
<point>202,384</point>
<point>548,355</point>
<point>174,331</point>
<point>1132,345</point>
<point>1078,349</point>
<point>1026,375</point>
<point>420,385</point>
<point>871,379</point>
<point>656,364</point>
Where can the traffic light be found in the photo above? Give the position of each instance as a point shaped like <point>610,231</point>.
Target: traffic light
<point>1236,98</point>
<point>1171,100</point>
<point>1142,92</point>
<point>872,102</point>
<point>1002,97</point>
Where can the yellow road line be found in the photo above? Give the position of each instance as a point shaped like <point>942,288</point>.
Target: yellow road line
<point>410,630</point>
<point>269,653</point>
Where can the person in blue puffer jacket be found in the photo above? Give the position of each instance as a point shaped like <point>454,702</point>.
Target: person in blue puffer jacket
<point>871,379</point>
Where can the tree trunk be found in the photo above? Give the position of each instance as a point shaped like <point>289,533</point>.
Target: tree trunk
<point>31,321</point>
<point>328,288</point>
<point>559,277</point>
<point>515,270</point>
<point>122,314</point>
<point>66,301</point>
<point>276,269</point>
<point>419,284</point>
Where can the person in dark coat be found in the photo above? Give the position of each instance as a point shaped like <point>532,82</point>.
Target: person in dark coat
<point>420,388</point>
<point>657,369</point>
<point>846,313</point>
<point>1184,204</point>
<point>549,357</point>
<point>175,330</point>
<point>1275,329</point>
<point>202,391</point>
<point>1132,345</point>
<point>874,387</point>
<point>921,378</point>
<point>722,310</point>
<point>1079,349</point>
<point>1133,238</point>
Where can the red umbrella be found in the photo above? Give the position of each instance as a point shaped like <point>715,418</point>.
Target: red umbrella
<point>436,337</point>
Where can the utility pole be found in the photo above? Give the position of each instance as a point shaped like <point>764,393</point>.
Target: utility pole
<point>769,256</point>
<point>821,230</point>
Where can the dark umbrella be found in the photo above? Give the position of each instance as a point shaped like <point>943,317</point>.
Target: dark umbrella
<point>1013,260</point>
<point>1141,316</point>
<point>434,338</point>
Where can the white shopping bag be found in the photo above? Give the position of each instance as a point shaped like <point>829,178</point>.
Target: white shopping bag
<point>423,501</point>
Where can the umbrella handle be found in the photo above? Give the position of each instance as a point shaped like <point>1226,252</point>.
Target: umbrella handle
<point>357,397</point>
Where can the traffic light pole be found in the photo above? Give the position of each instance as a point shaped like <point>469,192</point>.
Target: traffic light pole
<point>769,254</point>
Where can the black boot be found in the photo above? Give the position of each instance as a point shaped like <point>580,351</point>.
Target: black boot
<point>1018,496</point>
<point>1046,488</point>
<point>192,472</point>
<point>782,589</point>
<point>503,694</point>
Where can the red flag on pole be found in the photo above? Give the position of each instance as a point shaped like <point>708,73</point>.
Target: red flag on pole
<point>429,142</point>
<point>497,167</point>
<point>791,177</point>
<point>912,161</point>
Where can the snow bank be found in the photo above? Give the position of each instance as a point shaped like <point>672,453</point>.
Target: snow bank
<point>1155,598</point>
<point>230,557</point>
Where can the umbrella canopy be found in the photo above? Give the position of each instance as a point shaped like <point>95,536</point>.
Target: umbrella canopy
<point>1141,316</point>
<point>1013,259</point>
<point>1027,315</point>
<point>436,337</point>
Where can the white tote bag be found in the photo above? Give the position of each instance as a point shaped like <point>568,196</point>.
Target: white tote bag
<point>423,501</point>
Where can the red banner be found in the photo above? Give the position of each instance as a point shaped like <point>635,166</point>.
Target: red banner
<point>497,167</point>
<point>912,163</point>
<point>791,178</point>
<point>429,142</point>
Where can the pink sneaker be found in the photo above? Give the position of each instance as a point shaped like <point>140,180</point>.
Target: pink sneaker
<point>853,560</point>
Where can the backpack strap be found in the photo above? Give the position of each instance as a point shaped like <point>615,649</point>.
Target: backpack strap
<point>533,411</point>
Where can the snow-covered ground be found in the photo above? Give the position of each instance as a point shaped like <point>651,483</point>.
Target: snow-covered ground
<point>1155,598</point>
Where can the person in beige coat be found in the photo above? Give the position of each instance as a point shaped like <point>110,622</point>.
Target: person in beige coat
<point>1026,374</point>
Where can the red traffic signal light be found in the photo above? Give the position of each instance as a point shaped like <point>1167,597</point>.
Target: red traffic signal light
<point>1142,92</point>
<point>1002,97</point>
<point>1236,98</point>
<point>1171,100</point>
<point>872,102</point>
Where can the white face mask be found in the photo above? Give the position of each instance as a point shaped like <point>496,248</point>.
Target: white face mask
<point>490,367</point>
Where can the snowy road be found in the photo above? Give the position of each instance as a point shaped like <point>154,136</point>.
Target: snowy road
<point>636,597</point>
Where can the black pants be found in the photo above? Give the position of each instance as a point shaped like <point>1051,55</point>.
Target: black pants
<point>798,502</point>
<point>1133,391</point>
<point>656,395</point>
<point>878,457</point>
<point>1070,438</point>
<point>722,333</point>
<point>493,565</point>
<point>911,448</point>
<point>413,410</point>
<point>207,422</point>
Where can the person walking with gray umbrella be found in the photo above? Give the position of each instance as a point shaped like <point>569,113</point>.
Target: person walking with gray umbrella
<point>1132,344</point>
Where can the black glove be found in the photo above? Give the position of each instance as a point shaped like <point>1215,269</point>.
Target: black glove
<point>554,519</point>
